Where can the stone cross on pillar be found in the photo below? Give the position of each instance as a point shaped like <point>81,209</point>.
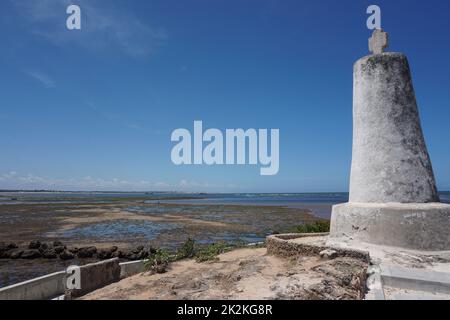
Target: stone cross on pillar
<point>378,42</point>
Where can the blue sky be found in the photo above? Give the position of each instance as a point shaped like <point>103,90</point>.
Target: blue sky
<point>94,109</point>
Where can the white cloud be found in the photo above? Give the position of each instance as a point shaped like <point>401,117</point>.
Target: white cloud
<point>14,180</point>
<point>104,28</point>
<point>42,78</point>
<point>187,184</point>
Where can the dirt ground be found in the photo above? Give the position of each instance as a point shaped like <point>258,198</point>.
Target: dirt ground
<point>245,274</point>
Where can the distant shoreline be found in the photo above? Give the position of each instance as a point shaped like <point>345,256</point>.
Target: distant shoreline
<point>172,192</point>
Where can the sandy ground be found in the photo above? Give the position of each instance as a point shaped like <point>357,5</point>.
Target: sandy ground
<point>244,274</point>
<point>112,214</point>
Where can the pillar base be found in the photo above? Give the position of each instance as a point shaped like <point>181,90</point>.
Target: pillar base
<point>424,226</point>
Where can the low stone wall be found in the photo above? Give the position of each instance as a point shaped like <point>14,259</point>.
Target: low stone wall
<point>128,269</point>
<point>93,276</point>
<point>97,275</point>
<point>279,245</point>
<point>46,287</point>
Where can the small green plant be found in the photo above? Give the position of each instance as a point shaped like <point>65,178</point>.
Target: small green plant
<point>159,261</point>
<point>187,250</point>
<point>319,226</point>
<point>211,251</point>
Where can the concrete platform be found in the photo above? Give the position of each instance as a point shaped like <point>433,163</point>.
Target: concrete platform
<point>415,279</point>
<point>412,226</point>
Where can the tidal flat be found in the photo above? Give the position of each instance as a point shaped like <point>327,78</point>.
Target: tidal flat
<point>127,222</point>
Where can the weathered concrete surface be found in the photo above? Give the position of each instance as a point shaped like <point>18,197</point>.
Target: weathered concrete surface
<point>308,244</point>
<point>374,284</point>
<point>379,41</point>
<point>402,274</point>
<point>393,197</point>
<point>128,269</point>
<point>415,279</point>
<point>390,160</point>
<point>53,286</point>
<point>412,226</point>
<point>392,282</point>
<point>42,288</point>
<point>97,275</point>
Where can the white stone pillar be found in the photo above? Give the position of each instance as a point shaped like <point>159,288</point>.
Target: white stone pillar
<point>390,160</point>
<point>393,198</point>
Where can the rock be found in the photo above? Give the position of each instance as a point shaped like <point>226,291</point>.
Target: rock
<point>236,278</point>
<point>106,253</point>
<point>138,249</point>
<point>59,249</point>
<point>87,252</point>
<point>74,250</point>
<point>328,254</point>
<point>160,268</point>
<point>58,244</point>
<point>34,245</point>
<point>5,250</point>
<point>66,255</point>
<point>132,256</point>
<point>125,254</point>
<point>139,253</point>
<point>7,246</point>
<point>14,253</point>
<point>142,255</point>
<point>44,247</point>
<point>49,254</point>
<point>31,254</point>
